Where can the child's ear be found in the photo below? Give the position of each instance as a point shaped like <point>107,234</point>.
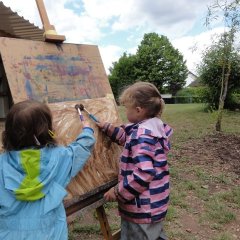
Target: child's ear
<point>139,109</point>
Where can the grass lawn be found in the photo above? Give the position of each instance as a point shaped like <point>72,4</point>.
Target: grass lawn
<point>205,182</point>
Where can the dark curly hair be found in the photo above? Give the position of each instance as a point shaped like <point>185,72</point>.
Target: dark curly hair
<point>27,125</point>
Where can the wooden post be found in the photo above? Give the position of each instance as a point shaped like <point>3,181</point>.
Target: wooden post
<point>106,230</point>
<point>50,34</point>
<point>104,223</point>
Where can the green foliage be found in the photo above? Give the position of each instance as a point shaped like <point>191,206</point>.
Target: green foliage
<point>160,63</point>
<point>156,61</point>
<point>233,102</point>
<point>210,72</point>
<point>122,73</point>
<point>191,94</point>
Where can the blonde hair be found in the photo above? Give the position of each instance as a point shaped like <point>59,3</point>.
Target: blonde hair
<point>145,95</point>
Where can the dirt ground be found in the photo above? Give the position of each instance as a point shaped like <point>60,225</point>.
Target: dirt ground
<point>214,149</point>
<point>218,154</point>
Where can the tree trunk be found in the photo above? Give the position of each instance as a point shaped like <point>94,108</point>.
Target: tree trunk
<point>222,97</point>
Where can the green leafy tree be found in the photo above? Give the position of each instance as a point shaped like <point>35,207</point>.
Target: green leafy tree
<point>156,61</point>
<point>160,63</point>
<point>210,72</point>
<point>122,73</point>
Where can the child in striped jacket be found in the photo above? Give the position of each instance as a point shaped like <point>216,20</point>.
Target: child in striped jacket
<point>143,187</point>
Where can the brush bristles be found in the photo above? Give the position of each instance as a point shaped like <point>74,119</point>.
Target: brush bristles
<point>81,107</point>
<point>77,106</point>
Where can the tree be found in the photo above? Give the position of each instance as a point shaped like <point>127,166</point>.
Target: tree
<point>122,73</point>
<point>155,61</point>
<point>210,72</point>
<point>231,18</point>
<point>160,63</point>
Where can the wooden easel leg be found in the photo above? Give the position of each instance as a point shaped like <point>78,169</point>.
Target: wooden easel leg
<point>116,235</point>
<point>104,223</point>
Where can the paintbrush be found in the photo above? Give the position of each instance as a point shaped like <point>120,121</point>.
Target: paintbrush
<point>78,108</point>
<point>82,108</point>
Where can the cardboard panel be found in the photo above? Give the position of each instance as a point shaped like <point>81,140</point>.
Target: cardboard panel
<point>102,167</point>
<point>53,73</point>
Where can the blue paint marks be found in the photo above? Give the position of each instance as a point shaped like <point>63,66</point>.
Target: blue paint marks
<point>57,58</point>
<point>73,71</point>
<point>28,89</point>
<point>41,67</point>
<point>46,89</point>
<point>78,58</point>
<point>50,58</point>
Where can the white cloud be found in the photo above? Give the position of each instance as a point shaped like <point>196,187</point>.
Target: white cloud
<point>27,9</point>
<point>192,46</point>
<point>110,54</point>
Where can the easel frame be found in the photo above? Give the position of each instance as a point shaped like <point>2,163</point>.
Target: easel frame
<point>93,200</point>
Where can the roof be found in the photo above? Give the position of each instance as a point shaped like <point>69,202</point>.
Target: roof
<point>168,95</point>
<point>195,83</point>
<point>15,25</point>
<point>192,74</point>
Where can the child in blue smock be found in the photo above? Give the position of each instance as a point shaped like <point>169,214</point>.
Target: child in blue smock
<point>34,173</point>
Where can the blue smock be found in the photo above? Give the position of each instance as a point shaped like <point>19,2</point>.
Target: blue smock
<point>32,188</point>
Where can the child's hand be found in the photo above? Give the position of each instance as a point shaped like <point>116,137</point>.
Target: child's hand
<point>100,124</point>
<point>110,195</point>
<point>85,123</point>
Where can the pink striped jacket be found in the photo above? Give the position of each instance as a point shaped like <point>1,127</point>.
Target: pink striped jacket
<point>143,189</point>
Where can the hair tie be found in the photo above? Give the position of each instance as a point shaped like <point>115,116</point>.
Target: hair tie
<point>51,133</point>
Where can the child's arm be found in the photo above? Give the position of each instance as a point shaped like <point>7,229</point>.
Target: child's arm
<point>133,185</point>
<point>75,155</point>
<point>116,134</point>
<point>82,148</point>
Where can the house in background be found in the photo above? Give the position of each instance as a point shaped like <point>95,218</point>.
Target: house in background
<point>191,78</point>
<point>13,26</point>
<point>167,98</point>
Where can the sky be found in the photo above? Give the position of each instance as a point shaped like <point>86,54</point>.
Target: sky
<point>118,26</point>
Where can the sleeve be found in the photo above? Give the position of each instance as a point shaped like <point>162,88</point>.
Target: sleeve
<point>165,142</point>
<point>116,134</point>
<point>78,152</point>
<point>143,171</point>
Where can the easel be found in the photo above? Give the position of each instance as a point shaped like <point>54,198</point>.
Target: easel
<point>106,231</point>
<point>50,34</point>
<point>93,200</point>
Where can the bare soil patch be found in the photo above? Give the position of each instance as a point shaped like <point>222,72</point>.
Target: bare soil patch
<point>214,149</point>
<point>219,155</point>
